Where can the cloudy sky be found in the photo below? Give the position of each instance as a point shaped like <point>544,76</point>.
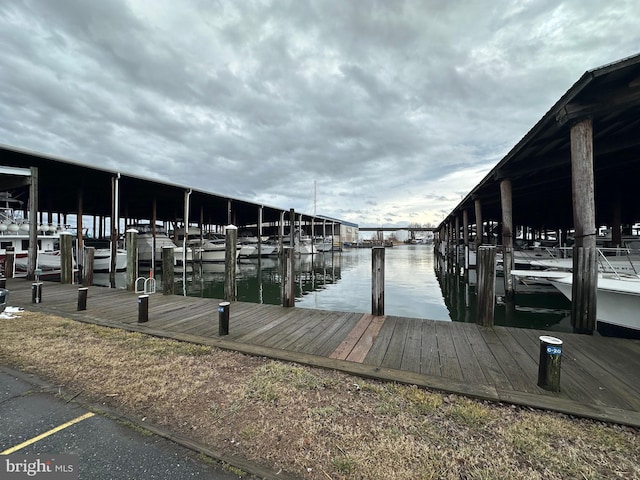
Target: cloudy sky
<point>394,110</point>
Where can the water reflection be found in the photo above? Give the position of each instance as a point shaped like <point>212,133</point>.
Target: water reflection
<point>538,306</point>
<point>418,284</point>
<point>258,280</point>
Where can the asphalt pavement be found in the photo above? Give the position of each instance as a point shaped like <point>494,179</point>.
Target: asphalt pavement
<point>36,421</point>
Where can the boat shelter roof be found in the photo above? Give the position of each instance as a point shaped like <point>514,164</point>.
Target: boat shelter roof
<point>539,166</point>
<point>62,182</point>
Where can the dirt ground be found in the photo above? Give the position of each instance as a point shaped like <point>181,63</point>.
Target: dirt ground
<point>313,423</point>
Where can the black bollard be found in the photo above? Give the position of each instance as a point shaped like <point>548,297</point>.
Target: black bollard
<point>82,298</point>
<point>143,308</point>
<point>549,366</point>
<point>3,282</point>
<point>223,318</point>
<point>36,292</point>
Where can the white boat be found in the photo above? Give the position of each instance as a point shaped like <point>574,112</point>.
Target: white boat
<point>145,243</point>
<point>618,302</point>
<point>323,244</point>
<point>102,260</point>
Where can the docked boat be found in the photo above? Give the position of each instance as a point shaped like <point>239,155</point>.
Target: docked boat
<point>102,260</point>
<point>617,298</point>
<point>618,302</point>
<point>146,242</point>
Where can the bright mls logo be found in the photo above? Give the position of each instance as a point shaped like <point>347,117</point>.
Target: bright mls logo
<point>54,467</point>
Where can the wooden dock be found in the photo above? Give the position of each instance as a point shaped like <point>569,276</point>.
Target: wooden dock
<point>600,376</point>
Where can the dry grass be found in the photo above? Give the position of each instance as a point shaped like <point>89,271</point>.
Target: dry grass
<point>309,422</point>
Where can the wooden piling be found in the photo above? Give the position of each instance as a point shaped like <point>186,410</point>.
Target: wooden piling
<point>485,304</point>
<point>465,238</point>
<point>288,277</point>
<point>66,258</point>
<point>168,279</point>
<point>584,288</point>
<point>89,255</point>
<point>507,236</point>
<point>377,278</point>
<point>231,245</point>
<point>9,262</point>
<point>479,228</point>
<point>583,293</point>
<point>132,258</point>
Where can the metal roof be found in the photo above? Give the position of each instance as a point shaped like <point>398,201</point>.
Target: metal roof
<point>62,182</point>
<point>539,166</point>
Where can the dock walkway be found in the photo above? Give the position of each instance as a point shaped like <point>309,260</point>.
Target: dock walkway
<point>600,376</point>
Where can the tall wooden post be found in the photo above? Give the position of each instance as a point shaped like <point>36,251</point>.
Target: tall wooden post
<point>478,213</point>
<point>486,286</point>
<point>585,273</point>
<point>507,236</point>
<point>616,221</point>
<point>33,225</point>
<point>132,258</point>
<point>115,226</point>
<point>80,240</point>
<point>231,245</point>
<point>456,244</point>
<point>377,277</point>
<point>66,258</point>
<point>89,255</point>
<point>168,277</point>
<point>288,277</point>
<point>465,238</point>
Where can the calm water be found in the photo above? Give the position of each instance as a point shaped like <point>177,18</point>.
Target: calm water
<point>415,286</point>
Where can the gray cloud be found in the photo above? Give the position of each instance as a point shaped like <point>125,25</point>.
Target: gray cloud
<point>392,108</point>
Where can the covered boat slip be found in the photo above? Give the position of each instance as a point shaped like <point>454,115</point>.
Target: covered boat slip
<point>575,171</point>
<point>56,186</point>
<point>600,376</point>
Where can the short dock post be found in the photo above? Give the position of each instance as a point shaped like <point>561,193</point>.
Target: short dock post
<point>36,292</point>
<point>377,281</point>
<point>486,264</point>
<point>3,282</point>
<point>143,308</point>
<point>168,279</point>
<point>549,366</point>
<point>82,298</point>
<point>223,318</point>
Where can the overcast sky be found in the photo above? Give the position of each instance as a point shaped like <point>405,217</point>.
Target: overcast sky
<point>393,109</point>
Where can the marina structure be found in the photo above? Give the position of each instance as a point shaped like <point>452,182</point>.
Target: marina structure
<point>111,200</point>
<point>576,170</point>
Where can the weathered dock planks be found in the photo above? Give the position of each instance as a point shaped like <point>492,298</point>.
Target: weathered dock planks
<point>600,376</point>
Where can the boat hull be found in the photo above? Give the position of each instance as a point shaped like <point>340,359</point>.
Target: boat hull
<point>618,304</point>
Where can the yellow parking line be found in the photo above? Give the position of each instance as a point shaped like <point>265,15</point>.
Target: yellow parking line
<point>46,434</point>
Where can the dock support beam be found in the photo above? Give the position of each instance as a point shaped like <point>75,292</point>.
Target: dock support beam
<point>585,273</point>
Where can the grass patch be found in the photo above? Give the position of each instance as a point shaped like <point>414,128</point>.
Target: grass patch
<point>313,423</point>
